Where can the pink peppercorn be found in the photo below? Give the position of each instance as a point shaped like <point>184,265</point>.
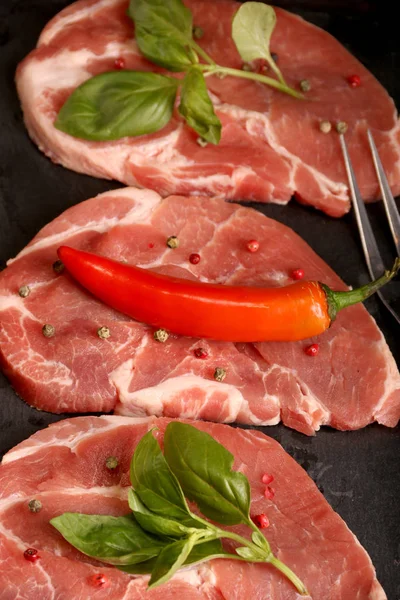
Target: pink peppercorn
<point>119,64</point>
<point>31,554</point>
<point>269,493</point>
<point>99,580</point>
<point>252,246</point>
<point>261,520</point>
<point>312,350</point>
<point>194,258</point>
<point>297,274</point>
<point>200,353</point>
<point>354,80</point>
<point>267,478</point>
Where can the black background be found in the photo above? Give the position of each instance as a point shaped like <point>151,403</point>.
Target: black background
<point>356,471</point>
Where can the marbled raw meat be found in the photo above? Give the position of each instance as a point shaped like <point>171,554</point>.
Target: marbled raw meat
<point>271,145</point>
<point>352,382</point>
<point>63,466</point>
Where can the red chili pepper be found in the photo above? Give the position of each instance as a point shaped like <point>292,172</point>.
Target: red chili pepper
<point>354,80</point>
<point>231,313</point>
<point>312,350</point>
<point>31,554</point>
<point>194,258</point>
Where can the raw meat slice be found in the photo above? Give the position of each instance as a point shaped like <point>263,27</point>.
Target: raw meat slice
<point>63,466</point>
<point>352,382</point>
<point>271,145</point>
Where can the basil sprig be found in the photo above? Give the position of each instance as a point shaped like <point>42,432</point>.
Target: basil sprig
<point>114,105</point>
<point>162,534</point>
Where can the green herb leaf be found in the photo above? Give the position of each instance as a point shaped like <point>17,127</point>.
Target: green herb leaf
<point>118,104</point>
<point>170,559</point>
<point>114,540</point>
<point>156,485</point>
<point>153,523</point>
<point>252,29</point>
<point>163,32</point>
<point>246,553</point>
<point>197,108</point>
<point>204,470</point>
<point>260,541</point>
<point>200,553</point>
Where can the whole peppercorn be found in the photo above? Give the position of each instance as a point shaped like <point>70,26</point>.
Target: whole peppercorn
<point>103,333</point>
<point>172,242</point>
<point>48,330</point>
<point>297,274</point>
<point>202,142</point>
<point>325,126</point>
<point>312,350</point>
<point>198,32</point>
<point>98,580</point>
<point>58,266</point>
<point>35,506</point>
<point>161,335</point>
<point>219,374</point>
<point>119,63</point>
<point>112,463</point>
<point>269,493</point>
<point>354,80</point>
<point>200,353</point>
<point>341,127</point>
<point>305,85</point>
<point>252,246</point>
<point>194,258</point>
<point>24,291</point>
<point>31,554</point>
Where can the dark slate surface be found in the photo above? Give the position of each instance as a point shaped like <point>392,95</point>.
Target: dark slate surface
<point>357,471</point>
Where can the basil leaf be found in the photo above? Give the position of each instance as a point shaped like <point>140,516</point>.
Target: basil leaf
<point>203,468</point>
<point>156,485</point>
<point>170,559</point>
<point>260,541</point>
<point>200,553</point>
<point>163,32</point>
<point>197,108</point>
<point>252,29</point>
<point>246,553</point>
<point>118,104</point>
<point>114,540</point>
<point>143,568</point>
<point>153,523</point>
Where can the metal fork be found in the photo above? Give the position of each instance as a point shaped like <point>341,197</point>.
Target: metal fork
<point>372,255</point>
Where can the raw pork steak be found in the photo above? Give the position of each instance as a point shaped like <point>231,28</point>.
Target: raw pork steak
<point>271,145</point>
<point>352,381</point>
<point>64,467</point>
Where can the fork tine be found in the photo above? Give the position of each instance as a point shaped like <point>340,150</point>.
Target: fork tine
<point>372,255</point>
<point>388,200</point>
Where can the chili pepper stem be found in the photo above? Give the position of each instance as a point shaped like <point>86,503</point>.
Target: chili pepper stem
<point>339,300</point>
<point>299,585</point>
